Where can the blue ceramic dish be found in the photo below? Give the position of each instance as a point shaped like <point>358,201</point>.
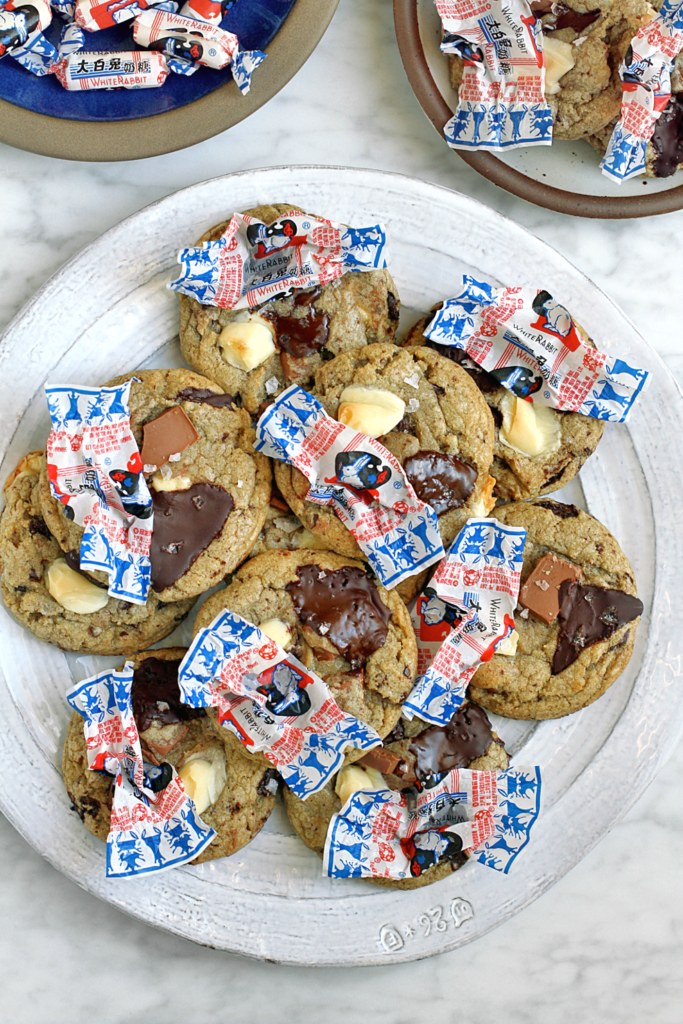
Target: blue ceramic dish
<point>254,22</point>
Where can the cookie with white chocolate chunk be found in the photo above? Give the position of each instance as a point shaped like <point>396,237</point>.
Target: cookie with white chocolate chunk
<point>45,591</point>
<point>537,449</point>
<point>233,792</point>
<point>209,487</point>
<point>576,619</point>
<point>258,353</point>
<point>411,755</point>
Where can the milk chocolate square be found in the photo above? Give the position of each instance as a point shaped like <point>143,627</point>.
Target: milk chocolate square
<point>169,434</point>
<point>541,592</point>
<point>383,760</point>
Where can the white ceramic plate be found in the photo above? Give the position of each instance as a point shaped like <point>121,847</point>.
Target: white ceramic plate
<point>108,311</point>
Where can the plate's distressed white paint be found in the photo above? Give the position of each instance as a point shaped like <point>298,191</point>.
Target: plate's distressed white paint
<point>108,310</point>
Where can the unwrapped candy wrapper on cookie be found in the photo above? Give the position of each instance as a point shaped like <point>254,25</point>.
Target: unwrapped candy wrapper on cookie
<point>383,833</point>
<point>529,343</point>
<point>271,702</point>
<point>95,471</point>
<point>501,101</point>
<point>646,78</point>
<point>465,613</point>
<point>154,824</point>
<point>134,69</point>
<point>253,262</point>
<point>362,481</point>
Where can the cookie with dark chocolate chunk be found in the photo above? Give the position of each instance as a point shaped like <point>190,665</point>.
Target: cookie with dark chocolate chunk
<point>307,328</point>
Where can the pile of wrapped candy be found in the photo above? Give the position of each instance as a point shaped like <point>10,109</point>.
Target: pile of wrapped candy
<point>169,40</point>
<point>402,577</point>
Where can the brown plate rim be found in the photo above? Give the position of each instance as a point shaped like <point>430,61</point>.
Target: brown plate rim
<point>489,166</point>
<point>176,129</point>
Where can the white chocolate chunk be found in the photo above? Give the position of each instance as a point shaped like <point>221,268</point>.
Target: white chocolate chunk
<point>372,411</point>
<point>532,430</point>
<point>508,646</point>
<point>73,591</point>
<point>354,779</point>
<point>559,59</point>
<point>204,778</point>
<point>245,344</point>
<point>172,483</point>
<point>278,631</point>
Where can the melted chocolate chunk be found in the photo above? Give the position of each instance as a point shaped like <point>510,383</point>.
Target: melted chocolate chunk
<point>73,560</point>
<point>541,6</point>
<point>559,509</point>
<point>156,695</point>
<point>204,396</point>
<point>87,805</point>
<point>587,616</point>
<point>307,298</point>
<point>393,306</point>
<point>396,734</point>
<point>185,523</point>
<point>567,17</point>
<point>269,782</point>
<point>302,336</point>
<point>484,381</point>
<point>343,606</point>
<point>441,748</point>
<point>667,138</point>
<point>443,481</point>
<point>38,525</point>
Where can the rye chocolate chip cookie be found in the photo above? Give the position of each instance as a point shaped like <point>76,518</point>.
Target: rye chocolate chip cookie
<point>431,417</point>
<point>45,591</point>
<point>256,354</point>
<point>333,615</point>
<point>412,754</point>
<point>233,792</point>
<point>576,619</point>
<point>555,450</point>
<point>209,487</point>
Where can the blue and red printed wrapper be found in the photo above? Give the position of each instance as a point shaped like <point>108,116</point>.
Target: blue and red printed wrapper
<point>359,479</point>
<point>466,613</point>
<point>96,472</point>
<point>21,35</point>
<point>529,343</point>
<point>150,831</point>
<point>271,702</point>
<point>253,262</point>
<point>646,77</point>
<point>501,100</point>
<point>388,834</point>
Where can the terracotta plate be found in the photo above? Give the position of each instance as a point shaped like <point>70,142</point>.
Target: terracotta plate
<point>564,177</point>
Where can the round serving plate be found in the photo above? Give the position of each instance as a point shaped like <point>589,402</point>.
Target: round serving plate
<point>565,177</point>
<point>128,124</point>
<point>107,311</point>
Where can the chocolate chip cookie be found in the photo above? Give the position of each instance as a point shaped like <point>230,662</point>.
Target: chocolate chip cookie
<point>571,436</point>
<point>309,327</point>
<point>411,754</point>
<point>439,428</point>
<point>233,792</point>
<point>576,619</point>
<point>337,619</point>
<point>45,591</point>
<point>209,487</point>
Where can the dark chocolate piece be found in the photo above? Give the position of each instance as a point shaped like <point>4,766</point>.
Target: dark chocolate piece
<point>269,776</point>
<point>484,381</point>
<point>156,695</point>
<point>667,138</point>
<point>441,748</point>
<point>343,605</point>
<point>393,307</point>
<point>38,525</point>
<point>73,560</point>
<point>541,590</point>
<point>302,336</point>
<point>567,17</point>
<point>443,481</point>
<point>587,616</point>
<point>380,759</point>
<point>559,509</point>
<point>169,434</point>
<point>205,396</point>
<point>185,523</point>
<point>397,733</point>
<point>541,6</point>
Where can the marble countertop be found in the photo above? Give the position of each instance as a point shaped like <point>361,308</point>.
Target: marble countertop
<point>602,944</point>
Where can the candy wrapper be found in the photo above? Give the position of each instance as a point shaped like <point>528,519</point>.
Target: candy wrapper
<point>135,69</point>
<point>253,262</point>
<point>67,8</point>
<point>21,35</point>
<point>359,479</point>
<point>95,470</point>
<point>387,834</point>
<point>185,38</point>
<point>501,101</point>
<point>528,342</point>
<point>469,607</point>
<point>243,66</point>
<point>93,15</point>
<point>271,702</point>
<point>71,40</point>
<point>646,76</point>
<point>211,11</point>
<point>154,825</point>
